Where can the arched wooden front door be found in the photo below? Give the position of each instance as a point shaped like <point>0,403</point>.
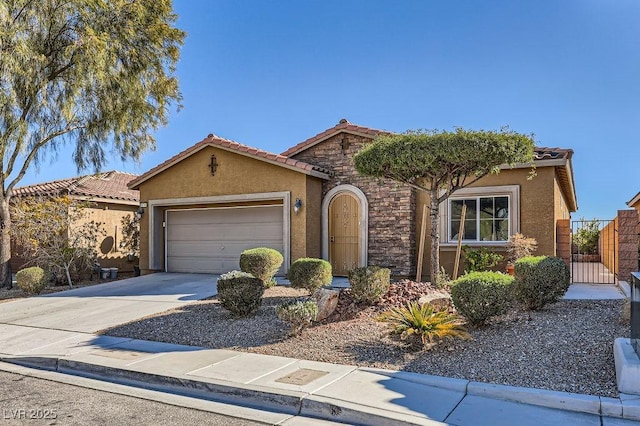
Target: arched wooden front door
<point>344,233</point>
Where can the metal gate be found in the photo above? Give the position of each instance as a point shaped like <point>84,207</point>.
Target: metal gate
<point>593,251</point>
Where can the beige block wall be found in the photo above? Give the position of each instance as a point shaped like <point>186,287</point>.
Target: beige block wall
<point>237,174</point>
<point>538,206</point>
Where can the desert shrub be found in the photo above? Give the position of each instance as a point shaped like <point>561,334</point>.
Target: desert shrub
<point>369,284</point>
<point>310,273</point>
<point>480,259</point>
<point>442,280</point>
<point>479,296</point>
<point>520,246</point>
<point>299,314</point>
<point>261,262</point>
<point>32,280</point>
<point>540,280</point>
<point>415,321</point>
<point>240,292</point>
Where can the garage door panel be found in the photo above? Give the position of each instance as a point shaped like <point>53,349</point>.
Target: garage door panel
<point>211,240</point>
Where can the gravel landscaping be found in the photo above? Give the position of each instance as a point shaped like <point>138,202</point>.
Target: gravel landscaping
<point>568,346</point>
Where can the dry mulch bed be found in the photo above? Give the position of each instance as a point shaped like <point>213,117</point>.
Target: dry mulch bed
<point>566,347</point>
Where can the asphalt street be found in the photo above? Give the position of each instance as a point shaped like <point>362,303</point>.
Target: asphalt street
<point>32,401</point>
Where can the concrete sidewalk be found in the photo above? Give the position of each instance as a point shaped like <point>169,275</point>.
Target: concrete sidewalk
<point>289,387</point>
<point>55,333</point>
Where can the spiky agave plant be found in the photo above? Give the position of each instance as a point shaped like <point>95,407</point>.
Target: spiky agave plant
<point>421,320</point>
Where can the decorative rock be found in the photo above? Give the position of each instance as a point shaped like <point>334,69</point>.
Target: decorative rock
<point>440,300</point>
<point>327,301</point>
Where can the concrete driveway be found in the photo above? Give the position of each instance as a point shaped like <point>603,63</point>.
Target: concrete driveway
<point>90,309</point>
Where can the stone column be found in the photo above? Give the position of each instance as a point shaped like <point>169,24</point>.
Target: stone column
<point>563,240</point>
<point>627,244</point>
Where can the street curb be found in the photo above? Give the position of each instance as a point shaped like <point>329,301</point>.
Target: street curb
<point>310,405</point>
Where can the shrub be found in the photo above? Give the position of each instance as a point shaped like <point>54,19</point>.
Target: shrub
<point>587,237</point>
<point>480,259</point>
<point>240,292</point>
<point>421,321</point>
<point>261,262</point>
<point>310,273</point>
<point>540,280</point>
<point>442,279</point>
<point>520,246</point>
<point>479,296</point>
<point>32,280</point>
<point>369,284</point>
<point>298,314</point>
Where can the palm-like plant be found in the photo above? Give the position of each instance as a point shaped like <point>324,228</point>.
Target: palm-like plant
<point>420,320</point>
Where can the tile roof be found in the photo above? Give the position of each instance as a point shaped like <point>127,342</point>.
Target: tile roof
<point>216,141</point>
<point>343,126</point>
<point>544,153</point>
<point>110,185</point>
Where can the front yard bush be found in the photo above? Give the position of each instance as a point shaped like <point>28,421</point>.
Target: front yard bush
<point>369,284</point>
<point>480,259</point>
<point>479,296</point>
<point>310,273</point>
<point>299,314</point>
<point>261,262</point>
<point>421,322</point>
<point>32,280</point>
<point>240,292</point>
<point>540,280</point>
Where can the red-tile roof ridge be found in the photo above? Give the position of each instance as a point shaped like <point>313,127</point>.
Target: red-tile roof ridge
<point>109,185</point>
<point>343,126</point>
<point>214,140</point>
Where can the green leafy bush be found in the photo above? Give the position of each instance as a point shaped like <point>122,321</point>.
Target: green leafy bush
<point>310,273</point>
<point>540,280</point>
<point>480,259</point>
<point>369,284</point>
<point>299,314</point>
<point>261,262</point>
<point>240,292</point>
<point>416,321</point>
<point>587,237</point>
<point>32,280</point>
<point>479,296</point>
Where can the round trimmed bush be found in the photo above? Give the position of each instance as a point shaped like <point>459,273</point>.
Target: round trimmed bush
<point>310,273</point>
<point>240,292</point>
<point>482,295</point>
<point>540,280</point>
<point>369,284</point>
<point>32,280</point>
<point>261,262</point>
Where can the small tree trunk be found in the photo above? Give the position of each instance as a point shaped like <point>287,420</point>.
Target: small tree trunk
<point>434,215</point>
<point>5,245</point>
<point>66,271</point>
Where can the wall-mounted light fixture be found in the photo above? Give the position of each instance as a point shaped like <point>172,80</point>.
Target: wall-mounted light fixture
<point>140,210</point>
<point>297,206</point>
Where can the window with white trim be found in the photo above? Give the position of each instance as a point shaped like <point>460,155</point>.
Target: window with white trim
<point>487,218</point>
<point>493,214</point>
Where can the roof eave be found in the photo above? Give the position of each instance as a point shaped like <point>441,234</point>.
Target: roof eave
<point>634,200</point>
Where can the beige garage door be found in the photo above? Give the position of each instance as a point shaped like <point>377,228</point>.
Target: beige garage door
<point>211,240</point>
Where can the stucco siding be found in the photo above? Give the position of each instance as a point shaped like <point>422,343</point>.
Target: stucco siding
<point>236,174</point>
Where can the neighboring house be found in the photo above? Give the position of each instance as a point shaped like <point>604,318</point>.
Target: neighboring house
<point>110,200</point>
<point>218,197</point>
<point>634,203</point>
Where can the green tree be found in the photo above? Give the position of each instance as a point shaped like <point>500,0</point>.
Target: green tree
<point>57,234</point>
<point>97,74</point>
<point>441,162</point>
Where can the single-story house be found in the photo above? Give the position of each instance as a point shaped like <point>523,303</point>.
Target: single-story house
<point>634,203</point>
<point>207,204</point>
<point>110,199</point>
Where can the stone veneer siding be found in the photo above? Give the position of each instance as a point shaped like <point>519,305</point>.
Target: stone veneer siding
<point>391,205</point>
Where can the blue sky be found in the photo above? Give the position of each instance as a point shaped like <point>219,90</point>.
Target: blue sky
<point>273,73</point>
